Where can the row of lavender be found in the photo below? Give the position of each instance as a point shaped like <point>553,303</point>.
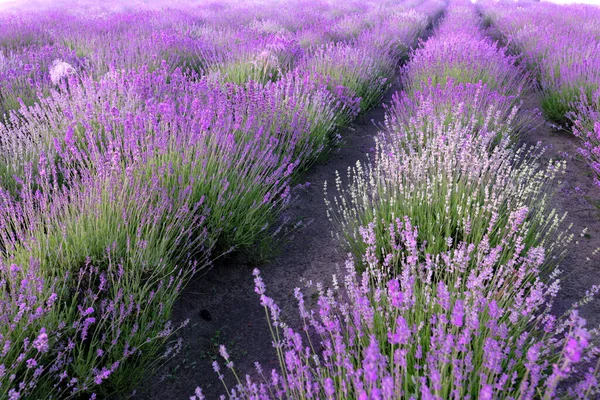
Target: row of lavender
<point>136,146</point>
<point>455,246</point>
<point>562,46</point>
<point>236,43</point>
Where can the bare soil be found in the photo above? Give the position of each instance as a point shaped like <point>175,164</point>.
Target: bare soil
<point>580,198</point>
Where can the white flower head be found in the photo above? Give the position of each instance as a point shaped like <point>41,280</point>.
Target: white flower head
<point>60,70</point>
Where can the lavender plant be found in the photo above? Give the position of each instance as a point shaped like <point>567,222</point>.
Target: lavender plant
<point>447,181</point>
<point>365,73</point>
<point>438,329</point>
<point>551,43</point>
<point>471,104</point>
<point>272,131</point>
<point>397,34</point>
<point>591,147</point>
<point>83,333</point>
<point>464,57</point>
<point>447,162</point>
<point>101,252</point>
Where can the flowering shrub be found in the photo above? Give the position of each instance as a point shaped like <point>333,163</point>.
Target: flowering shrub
<point>24,75</point>
<point>88,332</point>
<point>438,329</point>
<point>104,248</point>
<point>398,33</point>
<point>460,53</point>
<point>586,120</point>
<point>365,73</point>
<point>559,44</point>
<point>272,131</point>
<point>587,111</point>
<point>470,104</point>
<point>448,182</point>
<point>478,60</point>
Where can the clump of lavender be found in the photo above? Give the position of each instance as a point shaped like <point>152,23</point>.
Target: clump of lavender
<point>460,52</point>
<point>349,27</point>
<point>25,75</point>
<point>563,56</point>
<point>106,243</point>
<point>352,71</point>
<point>445,178</point>
<point>269,133</point>
<point>587,111</point>
<point>438,329</point>
<point>586,126</point>
<point>253,57</point>
<point>84,333</point>
<point>471,104</point>
<point>397,33</point>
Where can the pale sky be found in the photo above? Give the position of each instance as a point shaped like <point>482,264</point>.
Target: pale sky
<point>11,4</point>
<point>594,2</point>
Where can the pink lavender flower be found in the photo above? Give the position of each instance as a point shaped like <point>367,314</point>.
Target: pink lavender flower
<point>486,392</point>
<point>86,326</point>
<point>102,375</point>
<point>458,313</point>
<point>13,395</point>
<point>198,395</point>
<point>41,342</point>
<point>401,334</point>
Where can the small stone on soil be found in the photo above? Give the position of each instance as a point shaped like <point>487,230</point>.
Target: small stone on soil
<point>205,315</point>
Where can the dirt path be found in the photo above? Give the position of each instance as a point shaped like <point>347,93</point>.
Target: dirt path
<point>222,306</point>
<point>581,268</point>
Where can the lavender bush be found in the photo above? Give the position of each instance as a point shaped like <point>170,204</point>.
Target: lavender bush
<point>354,70</point>
<point>591,147</point>
<point>470,104</point>
<point>438,329</point>
<point>460,52</point>
<point>561,45</point>
<point>450,185</point>
<point>585,122</point>
<point>563,56</point>
<point>87,332</point>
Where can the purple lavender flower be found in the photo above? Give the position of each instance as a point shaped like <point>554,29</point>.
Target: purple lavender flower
<point>41,342</point>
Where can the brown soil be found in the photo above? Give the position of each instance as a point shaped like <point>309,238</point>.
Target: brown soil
<point>580,198</point>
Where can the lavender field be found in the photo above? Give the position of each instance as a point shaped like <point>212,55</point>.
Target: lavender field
<point>300,199</point>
